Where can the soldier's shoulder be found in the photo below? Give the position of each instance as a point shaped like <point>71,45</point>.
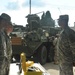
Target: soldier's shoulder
<point>72,31</point>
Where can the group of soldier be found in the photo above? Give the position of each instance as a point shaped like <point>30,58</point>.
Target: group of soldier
<point>65,45</point>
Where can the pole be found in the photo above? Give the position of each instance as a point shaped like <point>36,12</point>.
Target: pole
<point>29,6</point>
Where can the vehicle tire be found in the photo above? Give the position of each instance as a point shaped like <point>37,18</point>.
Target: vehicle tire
<point>50,57</point>
<point>42,55</point>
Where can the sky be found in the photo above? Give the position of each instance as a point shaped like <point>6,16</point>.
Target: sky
<point>19,9</point>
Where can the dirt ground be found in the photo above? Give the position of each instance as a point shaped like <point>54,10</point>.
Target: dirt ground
<point>54,69</point>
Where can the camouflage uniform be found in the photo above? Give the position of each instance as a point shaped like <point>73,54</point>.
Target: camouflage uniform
<point>55,50</point>
<point>5,45</point>
<point>3,54</point>
<point>66,51</point>
<point>8,51</point>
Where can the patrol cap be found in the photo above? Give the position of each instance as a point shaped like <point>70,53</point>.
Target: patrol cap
<point>64,17</point>
<point>6,17</point>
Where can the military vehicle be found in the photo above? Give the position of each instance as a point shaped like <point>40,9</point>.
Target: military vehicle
<point>36,41</point>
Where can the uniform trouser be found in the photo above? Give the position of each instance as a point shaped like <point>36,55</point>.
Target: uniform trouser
<point>4,67</point>
<point>55,56</point>
<point>1,72</point>
<point>66,69</point>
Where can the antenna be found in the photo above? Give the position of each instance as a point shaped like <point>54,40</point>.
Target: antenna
<point>59,10</point>
<point>39,12</point>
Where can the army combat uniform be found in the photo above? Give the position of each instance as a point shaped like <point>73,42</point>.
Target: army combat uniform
<point>55,50</point>
<point>8,50</point>
<point>5,53</point>
<point>66,51</point>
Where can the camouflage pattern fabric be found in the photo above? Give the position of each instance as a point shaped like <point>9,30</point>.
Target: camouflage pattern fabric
<point>9,47</point>
<point>55,50</point>
<point>5,53</point>
<point>66,51</point>
<point>8,50</point>
<point>2,54</point>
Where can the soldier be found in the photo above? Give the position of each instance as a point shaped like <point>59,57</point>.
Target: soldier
<point>5,45</point>
<point>66,46</point>
<point>55,49</point>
